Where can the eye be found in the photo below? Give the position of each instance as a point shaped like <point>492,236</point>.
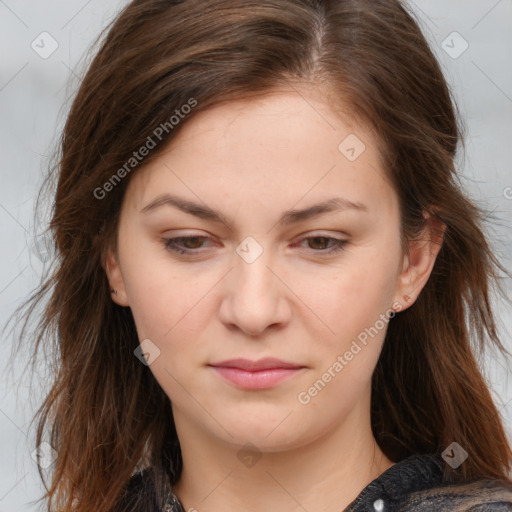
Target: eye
<point>193,244</point>
<point>184,244</point>
<point>326,244</point>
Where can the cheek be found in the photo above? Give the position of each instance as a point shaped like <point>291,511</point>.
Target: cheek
<point>170,302</point>
<point>163,305</point>
<point>355,302</point>
<point>351,296</point>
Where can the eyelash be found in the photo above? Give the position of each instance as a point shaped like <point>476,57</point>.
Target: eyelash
<point>171,244</point>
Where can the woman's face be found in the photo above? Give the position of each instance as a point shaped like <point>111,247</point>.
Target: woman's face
<point>266,230</point>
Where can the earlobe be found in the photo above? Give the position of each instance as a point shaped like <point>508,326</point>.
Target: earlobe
<point>417,265</point>
<point>115,278</point>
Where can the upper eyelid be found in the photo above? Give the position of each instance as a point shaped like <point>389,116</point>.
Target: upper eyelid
<point>305,235</point>
<point>207,237</point>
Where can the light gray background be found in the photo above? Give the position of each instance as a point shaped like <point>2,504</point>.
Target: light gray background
<point>34,94</point>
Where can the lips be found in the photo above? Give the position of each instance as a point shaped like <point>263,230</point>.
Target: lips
<point>268,363</point>
<point>256,375</point>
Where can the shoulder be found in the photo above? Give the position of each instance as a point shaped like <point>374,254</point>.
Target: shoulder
<point>479,496</point>
<point>418,484</point>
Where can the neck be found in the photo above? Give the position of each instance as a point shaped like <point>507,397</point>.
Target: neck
<point>326,474</point>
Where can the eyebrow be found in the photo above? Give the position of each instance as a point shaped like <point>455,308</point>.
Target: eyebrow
<point>335,204</point>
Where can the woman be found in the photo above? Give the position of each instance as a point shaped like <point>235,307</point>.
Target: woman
<point>268,279</point>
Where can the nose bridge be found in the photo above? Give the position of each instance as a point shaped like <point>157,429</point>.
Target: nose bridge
<point>253,279</point>
<point>254,300</point>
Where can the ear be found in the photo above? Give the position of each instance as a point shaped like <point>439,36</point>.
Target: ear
<point>115,278</point>
<point>417,265</point>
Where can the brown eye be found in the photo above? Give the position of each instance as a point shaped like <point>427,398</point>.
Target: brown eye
<point>318,242</point>
<point>193,242</point>
<point>185,244</point>
<point>323,244</point>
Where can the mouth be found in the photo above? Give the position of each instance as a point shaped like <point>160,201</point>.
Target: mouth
<point>263,374</point>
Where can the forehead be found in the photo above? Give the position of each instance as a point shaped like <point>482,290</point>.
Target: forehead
<point>283,121</point>
<point>292,144</point>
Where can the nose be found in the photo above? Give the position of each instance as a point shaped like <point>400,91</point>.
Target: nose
<point>254,298</point>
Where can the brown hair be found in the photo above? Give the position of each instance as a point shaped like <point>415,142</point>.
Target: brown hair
<point>107,414</point>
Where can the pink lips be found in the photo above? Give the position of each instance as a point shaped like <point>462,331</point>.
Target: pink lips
<point>261,374</point>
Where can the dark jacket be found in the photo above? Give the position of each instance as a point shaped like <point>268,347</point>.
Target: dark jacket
<point>415,484</point>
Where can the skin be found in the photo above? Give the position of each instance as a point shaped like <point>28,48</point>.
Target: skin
<point>251,160</point>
